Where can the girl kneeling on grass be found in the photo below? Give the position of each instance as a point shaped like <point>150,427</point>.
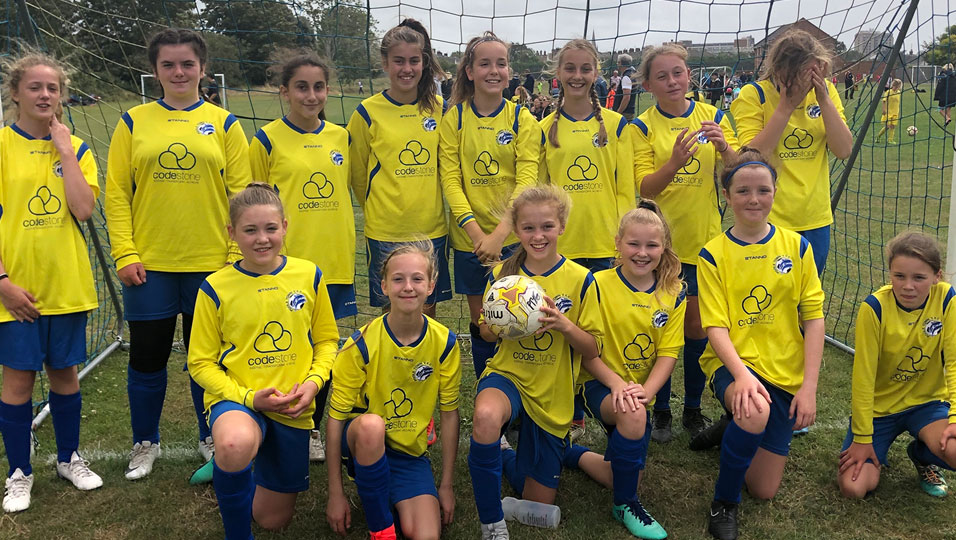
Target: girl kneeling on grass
<point>389,377</point>
<point>762,307</point>
<point>533,378</point>
<point>263,342</point>
<point>903,377</point>
<point>643,307</point>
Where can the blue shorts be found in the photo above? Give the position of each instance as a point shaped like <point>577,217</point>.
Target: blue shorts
<point>59,341</point>
<point>471,276</point>
<point>820,242</point>
<point>595,264</point>
<point>375,253</point>
<point>779,432</point>
<point>342,296</point>
<point>164,295</point>
<point>887,428</point>
<point>282,462</point>
<point>592,394</point>
<point>689,275</point>
<point>409,476</point>
<point>539,453</point>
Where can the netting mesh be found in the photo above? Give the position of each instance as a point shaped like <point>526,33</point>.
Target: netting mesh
<point>890,186</point>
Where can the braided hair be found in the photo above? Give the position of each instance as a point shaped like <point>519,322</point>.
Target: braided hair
<point>588,47</point>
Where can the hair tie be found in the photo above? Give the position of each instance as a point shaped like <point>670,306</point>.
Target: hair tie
<point>647,205</point>
<point>733,171</point>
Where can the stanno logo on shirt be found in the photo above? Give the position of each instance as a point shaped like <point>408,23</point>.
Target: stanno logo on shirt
<point>318,186</point>
<point>932,327</point>
<point>782,264</point>
<point>659,319</point>
<point>504,137</point>
<point>336,157</point>
<point>485,165</point>
<point>44,203</point>
<point>58,169</point>
<point>295,300</point>
<point>422,371</point>
<point>205,128</point>
<point>813,111</point>
<point>911,366</point>
<point>429,124</point>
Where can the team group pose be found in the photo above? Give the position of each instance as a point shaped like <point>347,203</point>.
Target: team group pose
<point>253,244</point>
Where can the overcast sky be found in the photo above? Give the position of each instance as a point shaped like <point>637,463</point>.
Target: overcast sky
<point>618,24</point>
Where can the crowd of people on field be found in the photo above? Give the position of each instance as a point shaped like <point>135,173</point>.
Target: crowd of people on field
<point>616,215</point>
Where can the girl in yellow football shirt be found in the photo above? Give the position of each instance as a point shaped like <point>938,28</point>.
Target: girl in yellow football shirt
<point>761,305</point>
<point>304,158</point>
<point>489,154</point>
<point>263,344</point>
<point>172,165</point>
<point>795,114</point>
<point>643,306</point>
<point>389,377</point>
<point>903,377</point>
<point>47,186</point>
<point>534,378</point>
<point>394,158</point>
<point>891,111</point>
<point>675,166</point>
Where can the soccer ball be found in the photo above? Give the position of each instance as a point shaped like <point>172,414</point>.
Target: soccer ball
<point>912,131</point>
<point>513,307</point>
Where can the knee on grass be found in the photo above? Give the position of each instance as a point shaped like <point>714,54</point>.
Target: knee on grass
<point>273,520</point>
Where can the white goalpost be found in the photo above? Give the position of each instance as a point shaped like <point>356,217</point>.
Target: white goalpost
<point>220,76</point>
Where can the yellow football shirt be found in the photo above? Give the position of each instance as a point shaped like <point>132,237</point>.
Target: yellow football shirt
<point>486,161</point>
<point>169,175</point>
<point>761,293</point>
<point>310,173</point>
<point>256,331</point>
<point>43,247</point>
<point>902,356</point>
<point>803,173</point>
<point>403,384</point>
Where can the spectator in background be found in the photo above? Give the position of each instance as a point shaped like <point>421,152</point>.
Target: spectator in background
<point>513,85</point>
<point>945,94</point>
<point>715,88</point>
<point>211,91</point>
<point>615,79</point>
<point>848,87</point>
<point>601,88</point>
<point>528,83</point>
<point>623,101</point>
<point>361,88</point>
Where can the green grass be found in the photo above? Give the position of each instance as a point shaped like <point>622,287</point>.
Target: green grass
<point>891,187</point>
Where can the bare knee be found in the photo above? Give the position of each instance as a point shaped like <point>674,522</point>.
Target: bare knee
<point>759,414</point>
<point>851,489</point>
<point>416,531</point>
<point>235,448</point>
<point>631,424</point>
<point>369,430</point>
<point>486,422</point>
<point>274,519</point>
<point>764,491</point>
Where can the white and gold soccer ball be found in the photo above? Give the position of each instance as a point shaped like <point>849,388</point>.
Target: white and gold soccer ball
<point>512,307</point>
<point>912,131</point>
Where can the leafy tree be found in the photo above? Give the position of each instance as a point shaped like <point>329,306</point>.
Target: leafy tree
<point>942,50</point>
<point>258,28</point>
<point>345,34</point>
<point>524,59</point>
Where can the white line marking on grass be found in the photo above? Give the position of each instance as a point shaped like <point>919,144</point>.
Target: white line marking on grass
<point>174,453</point>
